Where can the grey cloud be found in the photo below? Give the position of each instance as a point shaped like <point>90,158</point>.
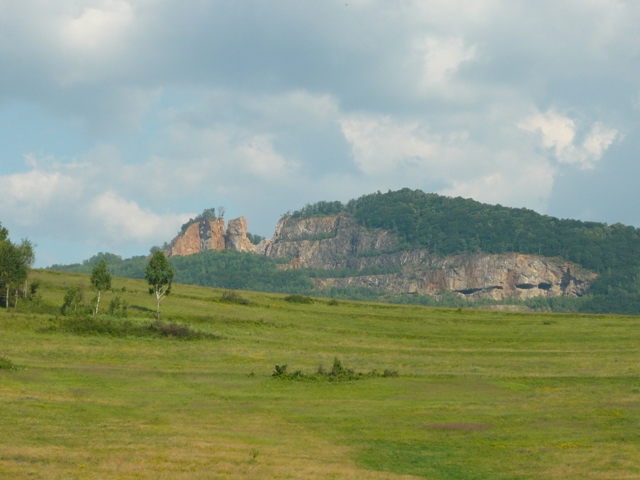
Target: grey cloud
<point>244,103</point>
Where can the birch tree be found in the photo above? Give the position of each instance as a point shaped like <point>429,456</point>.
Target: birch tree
<point>101,280</point>
<point>159,274</point>
<point>15,261</point>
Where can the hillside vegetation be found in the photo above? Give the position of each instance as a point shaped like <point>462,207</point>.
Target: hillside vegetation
<point>445,226</point>
<point>450,226</point>
<point>468,394</point>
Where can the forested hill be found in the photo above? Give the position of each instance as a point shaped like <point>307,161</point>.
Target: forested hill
<point>448,226</point>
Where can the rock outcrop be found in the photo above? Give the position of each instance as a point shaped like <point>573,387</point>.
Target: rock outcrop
<point>497,277</point>
<point>212,235</point>
<point>200,236</point>
<point>338,243</point>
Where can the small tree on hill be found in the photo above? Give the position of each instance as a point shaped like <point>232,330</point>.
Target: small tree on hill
<point>101,280</point>
<point>159,274</point>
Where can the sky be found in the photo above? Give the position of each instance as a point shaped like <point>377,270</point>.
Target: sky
<point>121,119</point>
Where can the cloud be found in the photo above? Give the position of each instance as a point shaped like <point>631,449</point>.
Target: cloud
<point>265,106</point>
<point>70,201</point>
<point>381,146</point>
<point>558,134</point>
<point>123,221</point>
<point>442,59</point>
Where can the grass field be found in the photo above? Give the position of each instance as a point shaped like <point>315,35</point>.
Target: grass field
<point>480,395</point>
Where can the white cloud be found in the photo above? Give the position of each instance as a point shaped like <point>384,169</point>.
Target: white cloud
<point>381,145</point>
<point>122,220</point>
<point>72,200</point>
<point>505,172</point>
<point>442,59</point>
<point>558,134</point>
<point>97,27</point>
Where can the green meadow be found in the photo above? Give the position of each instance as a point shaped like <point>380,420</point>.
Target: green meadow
<point>479,394</point>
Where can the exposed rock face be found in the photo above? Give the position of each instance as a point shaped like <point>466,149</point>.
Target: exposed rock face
<point>327,243</point>
<point>204,235</point>
<point>337,242</point>
<point>212,235</point>
<point>509,275</point>
<point>237,236</point>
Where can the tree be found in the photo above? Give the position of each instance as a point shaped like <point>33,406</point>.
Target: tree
<point>73,299</point>
<point>159,274</point>
<point>101,280</point>
<point>28,259</point>
<point>15,261</point>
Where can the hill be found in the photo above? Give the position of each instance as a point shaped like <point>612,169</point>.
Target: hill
<point>479,395</point>
<point>414,247</point>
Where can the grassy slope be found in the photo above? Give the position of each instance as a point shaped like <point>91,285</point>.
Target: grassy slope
<point>482,395</point>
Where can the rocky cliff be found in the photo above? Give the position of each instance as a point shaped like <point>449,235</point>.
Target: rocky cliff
<point>338,243</point>
<point>212,235</point>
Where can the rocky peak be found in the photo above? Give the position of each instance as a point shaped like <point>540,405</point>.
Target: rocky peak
<point>212,235</point>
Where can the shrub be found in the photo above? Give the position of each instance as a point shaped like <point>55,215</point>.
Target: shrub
<point>33,288</point>
<point>298,299</point>
<point>6,364</point>
<point>233,297</point>
<point>333,302</point>
<point>73,303</point>
<point>338,373</point>
<point>101,326</point>
<point>118,307</point>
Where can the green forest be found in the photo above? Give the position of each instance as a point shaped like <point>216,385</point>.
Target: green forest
<point>445,226</point>
<point>448,226</point>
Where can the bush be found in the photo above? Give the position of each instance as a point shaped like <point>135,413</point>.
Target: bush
<point>118,307</point>
<point>233,297</point>
<point>6,364</point>
<point>33,288</point>
<point>338,373</point>
<point>298,299</point>
<point>73,303</point>
<point>100,326</point>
